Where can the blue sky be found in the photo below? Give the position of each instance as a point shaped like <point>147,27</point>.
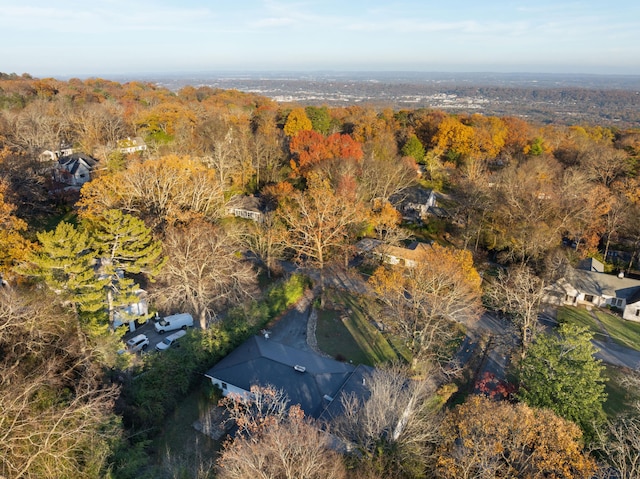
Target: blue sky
<point>110,37</point>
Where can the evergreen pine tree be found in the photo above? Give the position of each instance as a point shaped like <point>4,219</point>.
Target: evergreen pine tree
<point>124,246</point>
<point>66,264</point>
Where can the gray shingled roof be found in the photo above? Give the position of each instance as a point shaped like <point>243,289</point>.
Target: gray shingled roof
<point>356,384</point>
<point>263,362</point>
<point>601,284</point>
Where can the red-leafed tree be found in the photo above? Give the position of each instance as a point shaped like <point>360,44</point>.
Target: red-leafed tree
<point>343,147</point>
<point>308,148</point>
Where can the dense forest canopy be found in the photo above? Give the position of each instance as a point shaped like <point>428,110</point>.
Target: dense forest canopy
<point>164,170</point>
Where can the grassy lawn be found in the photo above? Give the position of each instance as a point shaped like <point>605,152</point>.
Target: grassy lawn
<point>180,446</point>
<point>345,332</point>
<point>578,316</point>
<point>619,398</point>
<point>625,333</point>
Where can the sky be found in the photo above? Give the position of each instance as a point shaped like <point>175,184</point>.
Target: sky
<point>119,37</point>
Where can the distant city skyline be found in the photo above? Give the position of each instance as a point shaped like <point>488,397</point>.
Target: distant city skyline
<point>116,37</point>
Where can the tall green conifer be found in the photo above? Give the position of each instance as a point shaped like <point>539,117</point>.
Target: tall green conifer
<point>124,246</point>
<point>66,264</point>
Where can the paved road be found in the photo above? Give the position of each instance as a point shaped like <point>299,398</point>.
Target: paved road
<point>612,353</point>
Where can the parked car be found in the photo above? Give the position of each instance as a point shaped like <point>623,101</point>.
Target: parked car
<point>138,343</point>
<point>173,322</point>
<point>170,340</point>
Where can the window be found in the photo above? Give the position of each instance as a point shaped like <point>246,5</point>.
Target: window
<point>617,302</point>
<point>637,312</point>
<point>224,386</point>
<point>588,297</point>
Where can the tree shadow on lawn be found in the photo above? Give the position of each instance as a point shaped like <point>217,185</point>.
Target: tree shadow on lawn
<point>335,339</point>
<point>344,331</point>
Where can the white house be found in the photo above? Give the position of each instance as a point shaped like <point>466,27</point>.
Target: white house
<point>131,145</point>
<point>592,287</point>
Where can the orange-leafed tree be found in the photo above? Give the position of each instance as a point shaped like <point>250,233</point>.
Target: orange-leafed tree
<point>344,147</point>
<point>425,301</point>
<point>163,191</point>
<point>320,220</point>
<point>490,134</point>
<point>164,119</point>
<point>454,139</point>
<point>13,246</point>
<point>518,135</point>
<point>310,148</point>
<point>485,438</point>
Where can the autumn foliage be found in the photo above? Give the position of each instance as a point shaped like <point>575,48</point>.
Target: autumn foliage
<point>484,438</point>
<point>310,148</point>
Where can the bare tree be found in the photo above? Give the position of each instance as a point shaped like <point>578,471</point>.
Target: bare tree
<point>39,126</point>
<point>426,300</point>
<point>275,441</point>
<point>204,272</point>
<point>618,443</point>
<point>266,239</point>
<point>55,414</point>
<point>320,220</point>
<point>395,425</point>
<point>526,221</point>
<point>381,178</point>
<point>517,293</point>
<point>98,124</point>
<point>604,163</point>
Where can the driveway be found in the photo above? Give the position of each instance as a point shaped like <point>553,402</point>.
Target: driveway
<point>148,330</point>
<point>291,329</point>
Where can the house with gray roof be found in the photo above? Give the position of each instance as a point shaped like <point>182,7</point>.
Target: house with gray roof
<point>309,379</point>
<point>414,203</point>
<point>74,170</point>
<point>247,206</point>
<point>592,287</point>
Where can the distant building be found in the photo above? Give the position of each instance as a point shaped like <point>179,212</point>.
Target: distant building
<point>131,145</point>
<point>588,285</point>
<point>396,255</point>
<point>245,206</point>
<point>74,170</point>
<point>415,204</point>
<point>65,149</point>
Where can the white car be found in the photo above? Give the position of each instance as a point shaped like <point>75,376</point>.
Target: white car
<point>173,322</point>
<point>170,340</point>
<point>138,343</point>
